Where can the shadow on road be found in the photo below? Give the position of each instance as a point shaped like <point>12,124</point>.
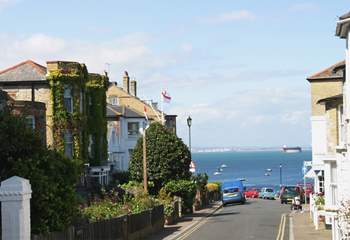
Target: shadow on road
<point>164,233</point>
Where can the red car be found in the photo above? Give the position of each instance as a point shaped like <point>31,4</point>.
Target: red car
<point>252,193</point>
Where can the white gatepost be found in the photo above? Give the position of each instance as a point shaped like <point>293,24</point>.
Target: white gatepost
<point>15,194</point>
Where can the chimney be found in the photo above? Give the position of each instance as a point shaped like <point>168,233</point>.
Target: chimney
<point>126,80</point>
<point>133,88</point>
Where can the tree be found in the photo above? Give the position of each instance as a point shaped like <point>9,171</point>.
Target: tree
<point>51,175</point>
<point>168,158</point>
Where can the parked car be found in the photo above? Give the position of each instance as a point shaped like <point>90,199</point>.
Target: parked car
<point>252,193</point>
<point>288,193</point>
<point>267,193</point>
<point>233,192</point>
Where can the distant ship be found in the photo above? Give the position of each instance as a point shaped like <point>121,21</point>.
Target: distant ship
<point>291,149</point>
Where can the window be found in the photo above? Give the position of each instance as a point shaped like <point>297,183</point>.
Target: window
<point>81,101</point>
<point>133,129</point>
<point>114,100</point>
<point>333,183</point>
<point>341,125</point>
<point>91,146</point>
<point>68,99</point>
<point>117,161</point>
<point>30,121</point>
<point>68,144</point>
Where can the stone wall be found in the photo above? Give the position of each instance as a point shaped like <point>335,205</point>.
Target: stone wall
<point>323,89</point>
<point>42,94</point>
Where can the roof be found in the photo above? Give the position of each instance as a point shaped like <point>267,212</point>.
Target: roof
<point>26,71</point>
<point>343,25</point>
<point>332,72</point>
<point>345,16</point>
<point>332,98</point>
<point>121,111</point>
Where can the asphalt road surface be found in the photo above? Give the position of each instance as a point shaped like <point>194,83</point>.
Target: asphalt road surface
<point>257,219</point>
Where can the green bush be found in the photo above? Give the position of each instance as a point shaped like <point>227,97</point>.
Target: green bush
<point>103,210</point>
<point>182,188</point>
<point>110,207</point>
<point>51,175</point>
<point>120,177</point>
<point>212,187</point>
<point>167,201</point>
<point>201,180</point>
<point>168,158</point>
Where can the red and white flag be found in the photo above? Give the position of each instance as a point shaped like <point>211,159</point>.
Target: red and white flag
<point>145,112</point>
<point>166,97</point>
<point>192,167</point>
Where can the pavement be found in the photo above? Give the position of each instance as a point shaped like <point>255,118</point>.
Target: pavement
<point>186,224</point>
<point>303,227</point>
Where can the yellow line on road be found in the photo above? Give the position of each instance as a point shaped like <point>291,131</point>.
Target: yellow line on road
<point>196,227</point>
<point>281,227</point>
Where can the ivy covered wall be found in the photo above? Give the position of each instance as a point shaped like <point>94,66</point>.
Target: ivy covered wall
<point>86,122</point>
<point>96,88</point>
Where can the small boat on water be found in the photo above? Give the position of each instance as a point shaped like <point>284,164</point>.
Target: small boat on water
<point>217,173</point>
<point>267,174</point>
<point>268,170</point>
<point>223,166</point>
<point>291,149</point>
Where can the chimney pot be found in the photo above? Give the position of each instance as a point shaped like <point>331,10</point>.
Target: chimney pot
<point>126,82</point>
<point>133,88</point>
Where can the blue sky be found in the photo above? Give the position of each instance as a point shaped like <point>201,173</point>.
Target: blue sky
<point>237,67</point>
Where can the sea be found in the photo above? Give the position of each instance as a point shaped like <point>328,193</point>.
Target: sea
<point>253,166</point>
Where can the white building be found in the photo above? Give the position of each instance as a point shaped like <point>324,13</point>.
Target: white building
<point>330,121</point>
<point>123,132</point>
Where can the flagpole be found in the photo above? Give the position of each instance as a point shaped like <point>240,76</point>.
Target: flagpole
<point>162,107</point>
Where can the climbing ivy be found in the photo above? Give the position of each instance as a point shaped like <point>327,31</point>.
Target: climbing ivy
<point>87,119</point>
<point>97,124</point>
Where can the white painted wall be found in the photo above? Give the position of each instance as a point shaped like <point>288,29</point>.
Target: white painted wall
<point>124,143</point>
<point>319,141</point>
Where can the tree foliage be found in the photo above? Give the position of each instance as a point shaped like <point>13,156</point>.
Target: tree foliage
<point>51,175</point>
<point>168,158</point>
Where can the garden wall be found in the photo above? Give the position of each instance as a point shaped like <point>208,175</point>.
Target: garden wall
<point>127,227</point>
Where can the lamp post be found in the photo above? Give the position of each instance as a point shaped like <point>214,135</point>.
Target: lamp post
<point>189,124</point>
<point>280,174</point>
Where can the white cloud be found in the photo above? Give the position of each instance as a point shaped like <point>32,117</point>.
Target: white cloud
<point>38,43</point>
<point>5,3</point>
<point>304,7</point>
<point>187,47</point>
<point>232,16</point>
<point>246,116</point>
<point>131,50</point>
<point>294,117</point>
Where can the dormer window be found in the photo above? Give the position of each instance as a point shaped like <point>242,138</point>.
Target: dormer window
<point>68,98</point>
<point>114,100</point>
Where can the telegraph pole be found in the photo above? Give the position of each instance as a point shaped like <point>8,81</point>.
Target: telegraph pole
<point>145,183</point>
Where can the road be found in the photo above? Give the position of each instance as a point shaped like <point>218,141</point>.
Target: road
<point>257,219</point>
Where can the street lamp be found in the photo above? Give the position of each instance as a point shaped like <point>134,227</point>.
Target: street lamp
<point>189,124</point>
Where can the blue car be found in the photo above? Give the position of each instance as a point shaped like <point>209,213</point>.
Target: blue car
<point>267,193</point>
<point>233,192</point>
